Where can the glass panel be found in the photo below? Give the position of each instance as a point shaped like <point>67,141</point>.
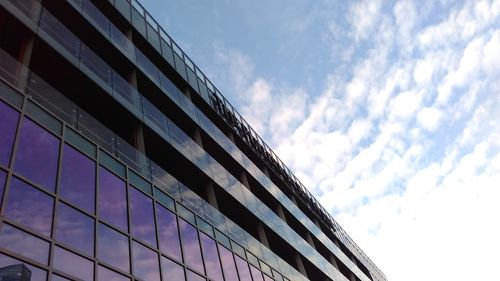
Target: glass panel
<point>171,271</point>
<point>17,267</point>
<point>228,265</point>
<point>191,276</point>
<point>60,33</point>
<point>145,263</point>
<point>190,245</point>
<point>267,278</point>
<point>142,222</point>
<point>168,233</point>
<point>193,80</point>
<point>95,64</point>
<point>153,37</point>
<point>256,274</point>
<point>104,274</point>
<point>30,207</point>
<point>138,22</point>
<point>78,179</point>
<point>211,257</point>
<point>148,66</point>
<point>24,244</point>
<point>75,229</point>
<point>124,7</point>
<point>180,66</point>
<point>8,125</point>
<point>243,270</point>
<point>121,39</point>
<point>96,15</point>
<point>37,155</point>
<point>72,264</point>
<point>112,248</point>
<point>112,199</point>
<point>59,278</point>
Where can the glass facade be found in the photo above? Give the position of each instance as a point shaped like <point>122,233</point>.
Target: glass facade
<point>79,201</point>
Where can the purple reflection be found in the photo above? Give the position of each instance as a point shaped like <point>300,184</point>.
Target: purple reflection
<point>256,274</point>
<point>190,245</point>
<point>72,264</point>
<point>37,155</point>
<point>37,274</point>
<point>171,271</point>
<point>2,184</point>
<point>30,207</point>
<point>8,125</point>
<point>24,244</point>
<point>75,229</point>
<point>112,199</point>
<point>145,263</point>
<point>243,270</point>
<point>228,265</point>
<point>78,179</point>
<point>142,222</point>
<point>211,257</point>
<point>112,248</point>
<point>267,278</point>
<point>58,278</point>
<point>104,274</point>
<point>191,276</point>
<point>168,232</point>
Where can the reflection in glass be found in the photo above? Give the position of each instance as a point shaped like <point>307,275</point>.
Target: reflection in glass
<point>171,271</point>
<point>104,274</point>
<point>8,264</point>
<point>112,248</point>
<point>145,262</point>
<point>168,232</point>
<point>267,278</point>
<point>24,244</point>
<point>8,125</point>
<point>211,257</point>
<point>256,274</point>
<point>72,264</point>
<point>59,278</point>
<point>142,217</point>
<point>243,270</point>
<point>3,177</point>
<point>78,179</point>
<point>190,245</point>
<point>228,265</point>
<point>75,229</point>
<point>29,206</point>
<point>37,155</point>
<point>112,199</point>
<point>191,276</point>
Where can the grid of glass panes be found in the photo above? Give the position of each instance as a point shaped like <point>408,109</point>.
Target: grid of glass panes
<point>65,213</point>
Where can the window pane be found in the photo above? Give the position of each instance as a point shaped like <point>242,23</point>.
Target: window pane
<point>112,199</point>
<point>145,263</point>
<point>168,233</point>
<point>228,265</point>
<point>37,155</point>
<point>24,244</point>
<point>112,248</point>
<point>267,278</point>
<point>104,274</point>
<point>191,276</point>
<point>72,264</point>
<point>75,229</point>
<point>78,179</point>
<point>243,270</point>
<point>59,278</point>
<point>8,125</point>
<point>190,245</point>
<point>171,271</point>
<point>23,269</point>
<point>30,207</point>
<point>256,274</point>
<point>211,257</point>
<point>142,217</point>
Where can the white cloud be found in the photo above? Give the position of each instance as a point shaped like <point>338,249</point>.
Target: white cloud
<point>429,118</point>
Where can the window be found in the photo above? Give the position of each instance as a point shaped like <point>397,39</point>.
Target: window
<point>8,125</point>
<point>24,244</point>
<point>171,270</point>
<point>37,155</point>
<point>228,265</point>
<point>104,274</point>
<point>145,262</point>
<point>75,229</point>
<point>142,217</point>
<point>168,232</point>
<point>112,248</point>
<point>211,257</point>
<point>78,179</point>
<point>112,199</point>
<point>243,270</point>
<point>73,264</point>
<point>37,274</point>
<point>30,207</point>
<point>190,245</point>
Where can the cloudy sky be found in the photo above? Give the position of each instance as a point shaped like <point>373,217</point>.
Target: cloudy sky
<point>388,111</point>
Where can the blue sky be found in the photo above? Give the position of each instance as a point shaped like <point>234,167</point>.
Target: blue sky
<point>388,111</point>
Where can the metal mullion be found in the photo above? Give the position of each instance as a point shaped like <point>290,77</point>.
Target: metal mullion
<point>155,221</point>
<point>129,229</point>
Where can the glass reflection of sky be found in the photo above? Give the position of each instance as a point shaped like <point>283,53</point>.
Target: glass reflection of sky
<point>75,229</point>
<point>112,199</point>
<point>112,248</point>
<point>243,270</point>
<point>168,232</point>
<point>145,263</point>
<point>142,217</point>
<point>24,244</point>
<point>172,271</point>
<point>190,245</point>
<point>256,274</point>
<point>72,264</point>
<point>211,257</point>
<point>104,274</point>
<point>228,265</point>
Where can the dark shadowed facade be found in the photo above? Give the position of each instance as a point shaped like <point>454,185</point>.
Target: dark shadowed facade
<point>120,160</point>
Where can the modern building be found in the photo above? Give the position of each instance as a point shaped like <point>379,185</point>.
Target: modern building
<point>120,160</point>
<point>15,272</point>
